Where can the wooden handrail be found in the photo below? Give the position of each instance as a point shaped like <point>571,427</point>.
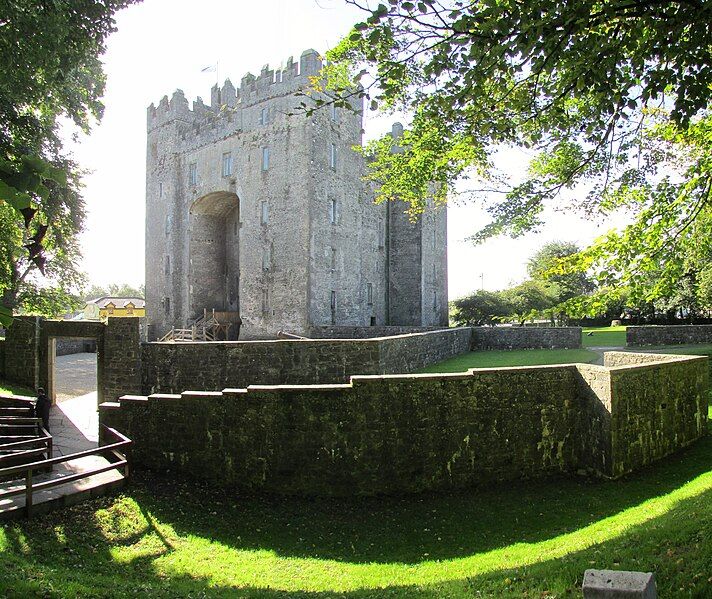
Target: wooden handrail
<point>30,488</point>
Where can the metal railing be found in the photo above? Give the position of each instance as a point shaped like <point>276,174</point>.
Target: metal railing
<point>117,458</point>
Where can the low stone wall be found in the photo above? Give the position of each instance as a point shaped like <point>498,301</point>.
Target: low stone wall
<point>22,341</point>
<point>67,347</point>
<point>410,433</point>
<point>660,405</point>
<point>484,338</point>
<point>678,334</point>
<point>175,367</point>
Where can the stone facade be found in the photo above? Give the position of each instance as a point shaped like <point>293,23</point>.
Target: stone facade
<point>678,334</point>
<point>175,367</point>
<point>484,338</point>
<point>256,209</point>
<point>410,433</point>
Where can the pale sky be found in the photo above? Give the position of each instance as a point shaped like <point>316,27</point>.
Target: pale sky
<point>162,45</point>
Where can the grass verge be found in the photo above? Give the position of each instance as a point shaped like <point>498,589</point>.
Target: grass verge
<point>517,357</point>
<point>603,337</point>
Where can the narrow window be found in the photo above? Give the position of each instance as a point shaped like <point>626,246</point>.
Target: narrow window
<point>332,211</point>
<point>265,159</point>
<point>369,294</point>
<point>435,301</point>
<point>332,158</point>
<point>333,112</point>
<point>167,266</point>
<point>333,301</point>
<point>227,164</point>
<point>265,301</point>
<point>167,305</point>
<point>168,225</point>
<point>267,258</point>
<point>193,174</point>
<point>263,116</point>
<point>264,212</point>
<point>333,259</point>
<point>160,190</point>
<point>239,210</point>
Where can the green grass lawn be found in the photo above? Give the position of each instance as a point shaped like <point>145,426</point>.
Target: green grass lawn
<point>603,337</point>
<point>12,389</point>
<point>517,357</point>
<point>534,539</point>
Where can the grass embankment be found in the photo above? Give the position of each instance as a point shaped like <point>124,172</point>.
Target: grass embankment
<point>532,539</point>
<point>517,357</point>
<point>12,389</point>
<point>603,337</point>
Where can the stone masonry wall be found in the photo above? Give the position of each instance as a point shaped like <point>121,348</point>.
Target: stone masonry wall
<point>525,338</point>
<point>668,334</point>
<point>22,351</point>
<point>121,358</point>
<point>175,367</point>
<point>410,433</point>
<point>659,405</point>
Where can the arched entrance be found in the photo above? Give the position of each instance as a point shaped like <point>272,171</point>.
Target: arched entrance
<point>214,253</point>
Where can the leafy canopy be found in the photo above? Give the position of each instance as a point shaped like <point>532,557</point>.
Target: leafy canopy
<point>50,69</point>
<point>605,91</point>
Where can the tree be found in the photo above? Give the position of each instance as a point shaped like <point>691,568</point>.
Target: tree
<point>481,308</point>
<point>50,70</point>
<point>606,91</point>
<point>529,300</point>
<point>113,290</point>
<point>547,266</point>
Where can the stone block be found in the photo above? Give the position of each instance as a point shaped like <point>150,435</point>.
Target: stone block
<point>618,584</point>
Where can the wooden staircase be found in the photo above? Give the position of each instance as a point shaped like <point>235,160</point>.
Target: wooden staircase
<point>32,480</point>
<point>205,328</point>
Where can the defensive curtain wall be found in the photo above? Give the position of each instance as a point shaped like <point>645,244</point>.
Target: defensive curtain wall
<point>125,365</point>
<point>408,433</point>
<point>668,334</point>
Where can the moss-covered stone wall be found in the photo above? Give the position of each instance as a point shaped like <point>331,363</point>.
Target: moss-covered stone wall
<point>678,334</point>
<point>409,433</point>
<point>175,367</point>
<point>484,338</point>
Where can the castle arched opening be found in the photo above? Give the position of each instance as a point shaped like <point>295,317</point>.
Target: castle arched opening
<point>214,253</point>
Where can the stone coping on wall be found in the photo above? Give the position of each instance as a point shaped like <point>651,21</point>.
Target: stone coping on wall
<point>399,433</point>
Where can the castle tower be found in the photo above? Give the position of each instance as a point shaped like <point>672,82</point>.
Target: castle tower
<point>253,207</point>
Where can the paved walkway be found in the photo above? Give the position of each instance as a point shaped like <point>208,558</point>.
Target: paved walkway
<point>74,424</point>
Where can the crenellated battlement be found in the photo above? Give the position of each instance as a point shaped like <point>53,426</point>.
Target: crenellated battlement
<point>253,89</point>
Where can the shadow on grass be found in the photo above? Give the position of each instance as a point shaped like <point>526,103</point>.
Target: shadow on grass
<point>90,551</point>
<point>412,528</point>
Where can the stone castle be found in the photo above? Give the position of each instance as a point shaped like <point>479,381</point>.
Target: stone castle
<point>256,210</point>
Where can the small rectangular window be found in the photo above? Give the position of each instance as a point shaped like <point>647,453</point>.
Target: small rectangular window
<point>264,212</point>
<point>267,258</point>
<point>193,174</point>
<point>369,294</point>
<point>333,258</point>
<point>167,266</point>
<point>160,190</point>
<point>333,301</point>
<point>333,112</point>
<point>332,158</point>
<point>168,225</point>
<point>333,216</point>
<point>265,159</point>
<point>264,116</point>
<point>227,164</point>
<point>167,305</point>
